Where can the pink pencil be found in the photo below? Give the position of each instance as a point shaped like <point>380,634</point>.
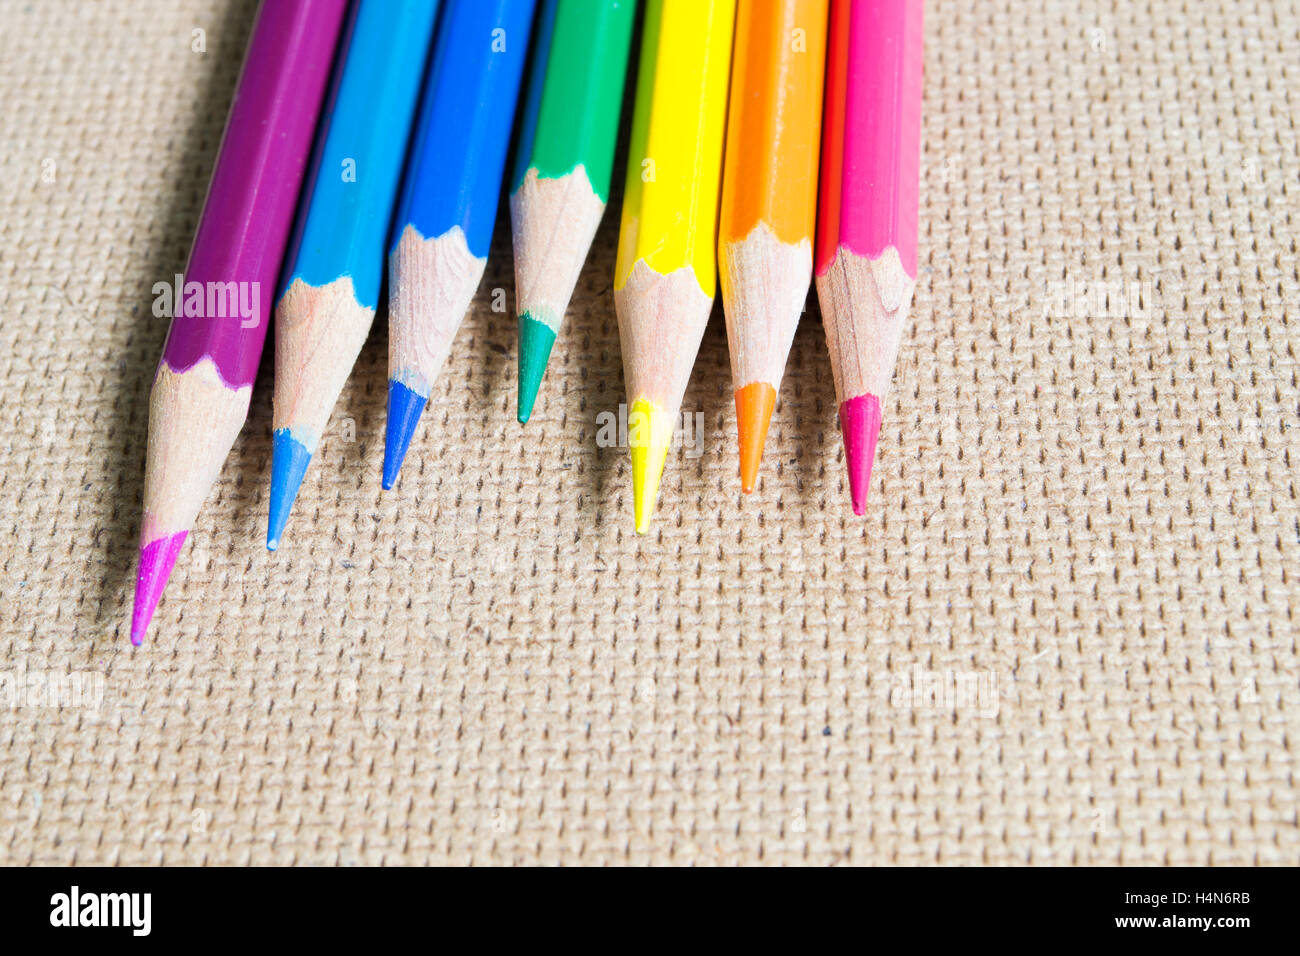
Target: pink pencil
<point>867,210</point>
<point>221,312</point>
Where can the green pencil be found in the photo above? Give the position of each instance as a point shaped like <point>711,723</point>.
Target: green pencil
<point>562,172</point>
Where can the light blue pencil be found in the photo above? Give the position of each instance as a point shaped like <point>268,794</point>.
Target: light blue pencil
<point>336,258</point>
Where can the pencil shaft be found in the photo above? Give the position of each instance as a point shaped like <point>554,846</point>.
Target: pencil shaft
<point>562,169</point>
<point>769,201</point>
<point>774,120</point>
<point>448,203</point>
<point>348,197</point>
<point>575,90</point>
<point>871,163</point>
<point>867,228</point>
<point>458,151</point>
<point>201,390</point>
<point>246,218</point>
<point>336,255</point>
<point>665,275</point>
<point>670,204</point>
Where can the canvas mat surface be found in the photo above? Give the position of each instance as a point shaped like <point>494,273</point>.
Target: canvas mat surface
<point>1066,632</point>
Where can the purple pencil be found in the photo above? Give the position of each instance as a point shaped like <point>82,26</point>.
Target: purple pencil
<point>221,307</point>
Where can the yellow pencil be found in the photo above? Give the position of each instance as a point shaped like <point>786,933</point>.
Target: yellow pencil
<point>666,273</point>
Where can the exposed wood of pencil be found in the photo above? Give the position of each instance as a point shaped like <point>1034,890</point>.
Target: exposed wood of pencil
<point>318,335</point>
<point>764,286</point>
<point>661,320</point>
<point>764,283</point>
<point>433,284</point>
<point>864,305</point>
<point>656,315</point>
<point>554,222</point>
<point>194,420</point>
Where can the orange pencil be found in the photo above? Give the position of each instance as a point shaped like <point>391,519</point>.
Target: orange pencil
<point>769,201</point>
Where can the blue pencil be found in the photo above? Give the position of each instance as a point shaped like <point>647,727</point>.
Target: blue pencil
<point>334,266</point>
<point>449,199</point>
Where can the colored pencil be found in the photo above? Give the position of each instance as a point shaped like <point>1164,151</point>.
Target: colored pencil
<point>666,272</point>
<point>200,393</point>
<point>769,201</point>
<point>867,216</point>
<point>449,199</point>
<point>562,170</point>
<point>336,256</point>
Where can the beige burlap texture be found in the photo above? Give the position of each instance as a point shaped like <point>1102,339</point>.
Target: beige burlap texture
<point>1065,632</point>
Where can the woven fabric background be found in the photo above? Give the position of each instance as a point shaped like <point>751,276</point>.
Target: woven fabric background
<point>1083,528</point>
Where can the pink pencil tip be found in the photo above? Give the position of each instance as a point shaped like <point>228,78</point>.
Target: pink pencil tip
<point>157,558</point>
<point>860,423</point>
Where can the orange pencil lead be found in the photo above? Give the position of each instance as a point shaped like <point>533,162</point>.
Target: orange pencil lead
<point>754,404</point>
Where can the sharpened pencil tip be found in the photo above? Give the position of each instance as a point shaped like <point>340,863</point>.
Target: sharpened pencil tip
<point>404,408</point>
<point>860,423</point>
<point>157,558</point>
<point>649,433</point>
<point>754,404</point>
<point>289,461</point>
<point>535,341</point>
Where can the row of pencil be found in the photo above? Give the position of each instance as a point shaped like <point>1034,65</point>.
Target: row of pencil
<point>741,109</point>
